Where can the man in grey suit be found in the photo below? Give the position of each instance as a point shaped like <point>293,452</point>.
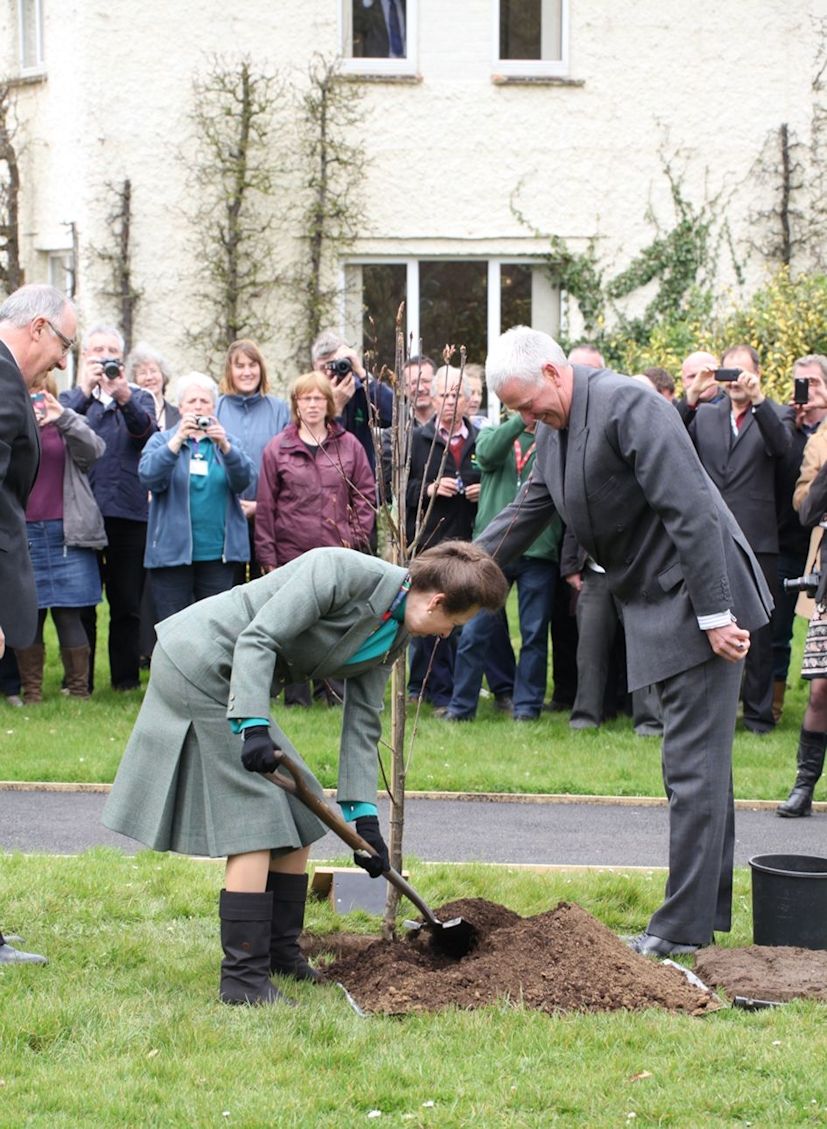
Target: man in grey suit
<point>37,326</point>
<point>617,464</point>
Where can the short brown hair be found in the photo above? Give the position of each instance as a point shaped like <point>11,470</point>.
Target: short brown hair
<point>464,572</point>
<point>249,349</point>
<point>312,382</point>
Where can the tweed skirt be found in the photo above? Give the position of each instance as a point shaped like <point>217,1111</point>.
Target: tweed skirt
<point>181,785</point>
<point>814,659</point>
<point>65,576</point>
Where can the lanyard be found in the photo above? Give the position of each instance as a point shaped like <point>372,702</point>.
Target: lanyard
<point>521,459</point>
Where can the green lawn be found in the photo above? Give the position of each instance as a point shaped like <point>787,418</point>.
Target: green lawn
<point>71,740</point>
<point>123,1027</point>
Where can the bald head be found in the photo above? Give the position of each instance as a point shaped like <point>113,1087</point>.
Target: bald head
<point>696,363</point>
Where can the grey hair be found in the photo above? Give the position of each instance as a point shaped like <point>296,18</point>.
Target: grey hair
<point>109,330</point>
<point>447,374</point>
<point>326,343</point>
<point>144,354</point>
<point>195,378</point>
<point>521,353</point>
<point>813,359</point>
<point>35,300</point>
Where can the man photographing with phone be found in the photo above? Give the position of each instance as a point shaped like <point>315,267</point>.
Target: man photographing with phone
<point>742,443</point>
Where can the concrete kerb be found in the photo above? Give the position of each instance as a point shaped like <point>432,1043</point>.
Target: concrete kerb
<point>469,797</point>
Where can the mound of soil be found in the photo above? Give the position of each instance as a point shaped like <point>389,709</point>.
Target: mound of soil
<point>561,960</point>
<point>765,972</point>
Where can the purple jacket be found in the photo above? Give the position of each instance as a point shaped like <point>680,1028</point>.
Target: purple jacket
<point>308,500</point>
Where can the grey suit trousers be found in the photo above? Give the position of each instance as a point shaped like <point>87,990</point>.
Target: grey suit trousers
<point>699,707</point>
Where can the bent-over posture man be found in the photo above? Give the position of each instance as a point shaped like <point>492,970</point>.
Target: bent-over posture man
<point>617,465</point>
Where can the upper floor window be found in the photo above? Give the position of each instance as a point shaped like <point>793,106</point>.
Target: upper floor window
<point>531,37</point>
<point>378,36</point>
<point>30,23</point>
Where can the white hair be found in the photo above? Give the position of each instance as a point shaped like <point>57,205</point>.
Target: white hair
<point>521,353</point>
<point>105,330</point>
<point>197,379</point>
<point>447,374</point>
<point>34,300</point>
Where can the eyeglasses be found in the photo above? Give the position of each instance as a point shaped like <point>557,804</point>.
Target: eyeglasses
<point>67,343</point>
<point>312,399</point>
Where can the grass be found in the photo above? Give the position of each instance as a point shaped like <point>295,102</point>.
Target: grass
<point>123,1027</point>
<point>70,740</point>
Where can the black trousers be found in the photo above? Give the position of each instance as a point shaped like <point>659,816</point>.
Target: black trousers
<point>757,688</point>
<point>122,571</point>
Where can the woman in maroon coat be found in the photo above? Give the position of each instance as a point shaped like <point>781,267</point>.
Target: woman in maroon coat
<point>315,488</point>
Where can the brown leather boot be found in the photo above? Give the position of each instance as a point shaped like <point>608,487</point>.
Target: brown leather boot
<point>30,662</point>
<point>76,668</point>
<point>779,689</point>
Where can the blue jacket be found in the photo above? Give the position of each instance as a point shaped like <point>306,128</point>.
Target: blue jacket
<point>167,475</point>
<point>255,420</point>
<point>125,429</point>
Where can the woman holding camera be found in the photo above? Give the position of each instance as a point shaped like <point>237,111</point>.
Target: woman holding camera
<point>65,530</point>
<point>810,500</point>
<point>197,532</point>
<point>151,371</point>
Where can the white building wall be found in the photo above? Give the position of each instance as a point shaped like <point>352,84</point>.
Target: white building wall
<point>701,83</point>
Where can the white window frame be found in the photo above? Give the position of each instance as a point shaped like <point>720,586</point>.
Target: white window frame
<point>379,67</point>
<point>531,68</point>
<point>23,17</point>
<point>545,298</point>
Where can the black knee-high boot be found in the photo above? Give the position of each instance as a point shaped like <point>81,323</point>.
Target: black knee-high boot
<point>245,939</point>
<point>289,897</point>
<point>811,747</point>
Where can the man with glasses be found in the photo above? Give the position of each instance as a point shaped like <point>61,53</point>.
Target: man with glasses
<point>37,324</point>
<point>124,416</point>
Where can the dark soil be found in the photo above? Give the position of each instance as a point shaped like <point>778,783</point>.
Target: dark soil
<point>764,972</point>
<point>561,960</point>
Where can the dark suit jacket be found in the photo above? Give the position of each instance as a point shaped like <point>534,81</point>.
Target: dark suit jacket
<point>370,31</point>
<point>626,480</point>
<point>745,468</point>
<point>19,461</point>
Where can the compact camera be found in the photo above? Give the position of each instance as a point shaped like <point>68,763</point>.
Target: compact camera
<point>203,422</point>
<point>110,368</point>
<point>339,368</point>
<point>808,583</point>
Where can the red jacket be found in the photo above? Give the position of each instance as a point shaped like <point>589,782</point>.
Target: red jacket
<point>306,500</point>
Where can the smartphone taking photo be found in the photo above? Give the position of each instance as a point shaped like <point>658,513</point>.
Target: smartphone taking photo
<point>727,375</point>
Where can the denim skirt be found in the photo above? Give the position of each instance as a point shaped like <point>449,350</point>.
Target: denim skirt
<point>65,577</point>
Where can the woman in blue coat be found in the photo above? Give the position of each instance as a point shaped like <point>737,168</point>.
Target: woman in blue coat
<point>197,532</point>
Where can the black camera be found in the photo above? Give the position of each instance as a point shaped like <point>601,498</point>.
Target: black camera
<point>801,390</point>
<point>203,422</point>
<point>339,368</point>
<point>808,583</point>
<point>110,368</point>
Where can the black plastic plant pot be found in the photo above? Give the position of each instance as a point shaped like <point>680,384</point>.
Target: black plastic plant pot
<point>789,900</point>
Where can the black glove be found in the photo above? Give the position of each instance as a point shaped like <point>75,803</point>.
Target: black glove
<point>368,827</point>
<point>259,752</point>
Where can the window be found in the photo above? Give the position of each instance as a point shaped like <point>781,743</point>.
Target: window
<point>61,275</point>
<point>378,36</point>
<point>30,23</point>
<point>448,301</point>
<point>531,37</point>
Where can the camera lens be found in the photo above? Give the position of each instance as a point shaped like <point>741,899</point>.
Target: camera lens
<point>340,367</point>
<point>111,368</point>
<point>203,422</point>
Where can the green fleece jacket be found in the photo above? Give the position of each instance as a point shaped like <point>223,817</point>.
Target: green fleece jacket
<point>500,484</point>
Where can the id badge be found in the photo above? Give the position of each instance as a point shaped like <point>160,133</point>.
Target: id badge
<point>199,467</point>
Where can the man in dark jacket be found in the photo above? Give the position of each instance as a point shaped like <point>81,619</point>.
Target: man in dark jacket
<point>37,327</point>
<point>441,505</point>
<point>742,443</point>
<point>123,415</point>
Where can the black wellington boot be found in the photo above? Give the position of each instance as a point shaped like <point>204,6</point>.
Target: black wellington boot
<point>811,748</point>
<point>289,897</point>
<point>245,939</point>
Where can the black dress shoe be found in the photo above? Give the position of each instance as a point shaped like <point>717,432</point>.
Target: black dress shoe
<point>647,944</point>
<point>10,955</point>
<point>444,714</point>
<point>503,702</point>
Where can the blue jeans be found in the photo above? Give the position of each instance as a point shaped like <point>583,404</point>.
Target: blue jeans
<point>535,580</point>
<point>174,589</point>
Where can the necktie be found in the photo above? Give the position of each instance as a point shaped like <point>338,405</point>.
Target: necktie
<point>397,47</point>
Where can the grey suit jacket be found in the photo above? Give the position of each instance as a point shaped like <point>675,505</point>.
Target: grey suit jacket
<point>627,481</point>
<point>19,462</point>
<point>301,621</point>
